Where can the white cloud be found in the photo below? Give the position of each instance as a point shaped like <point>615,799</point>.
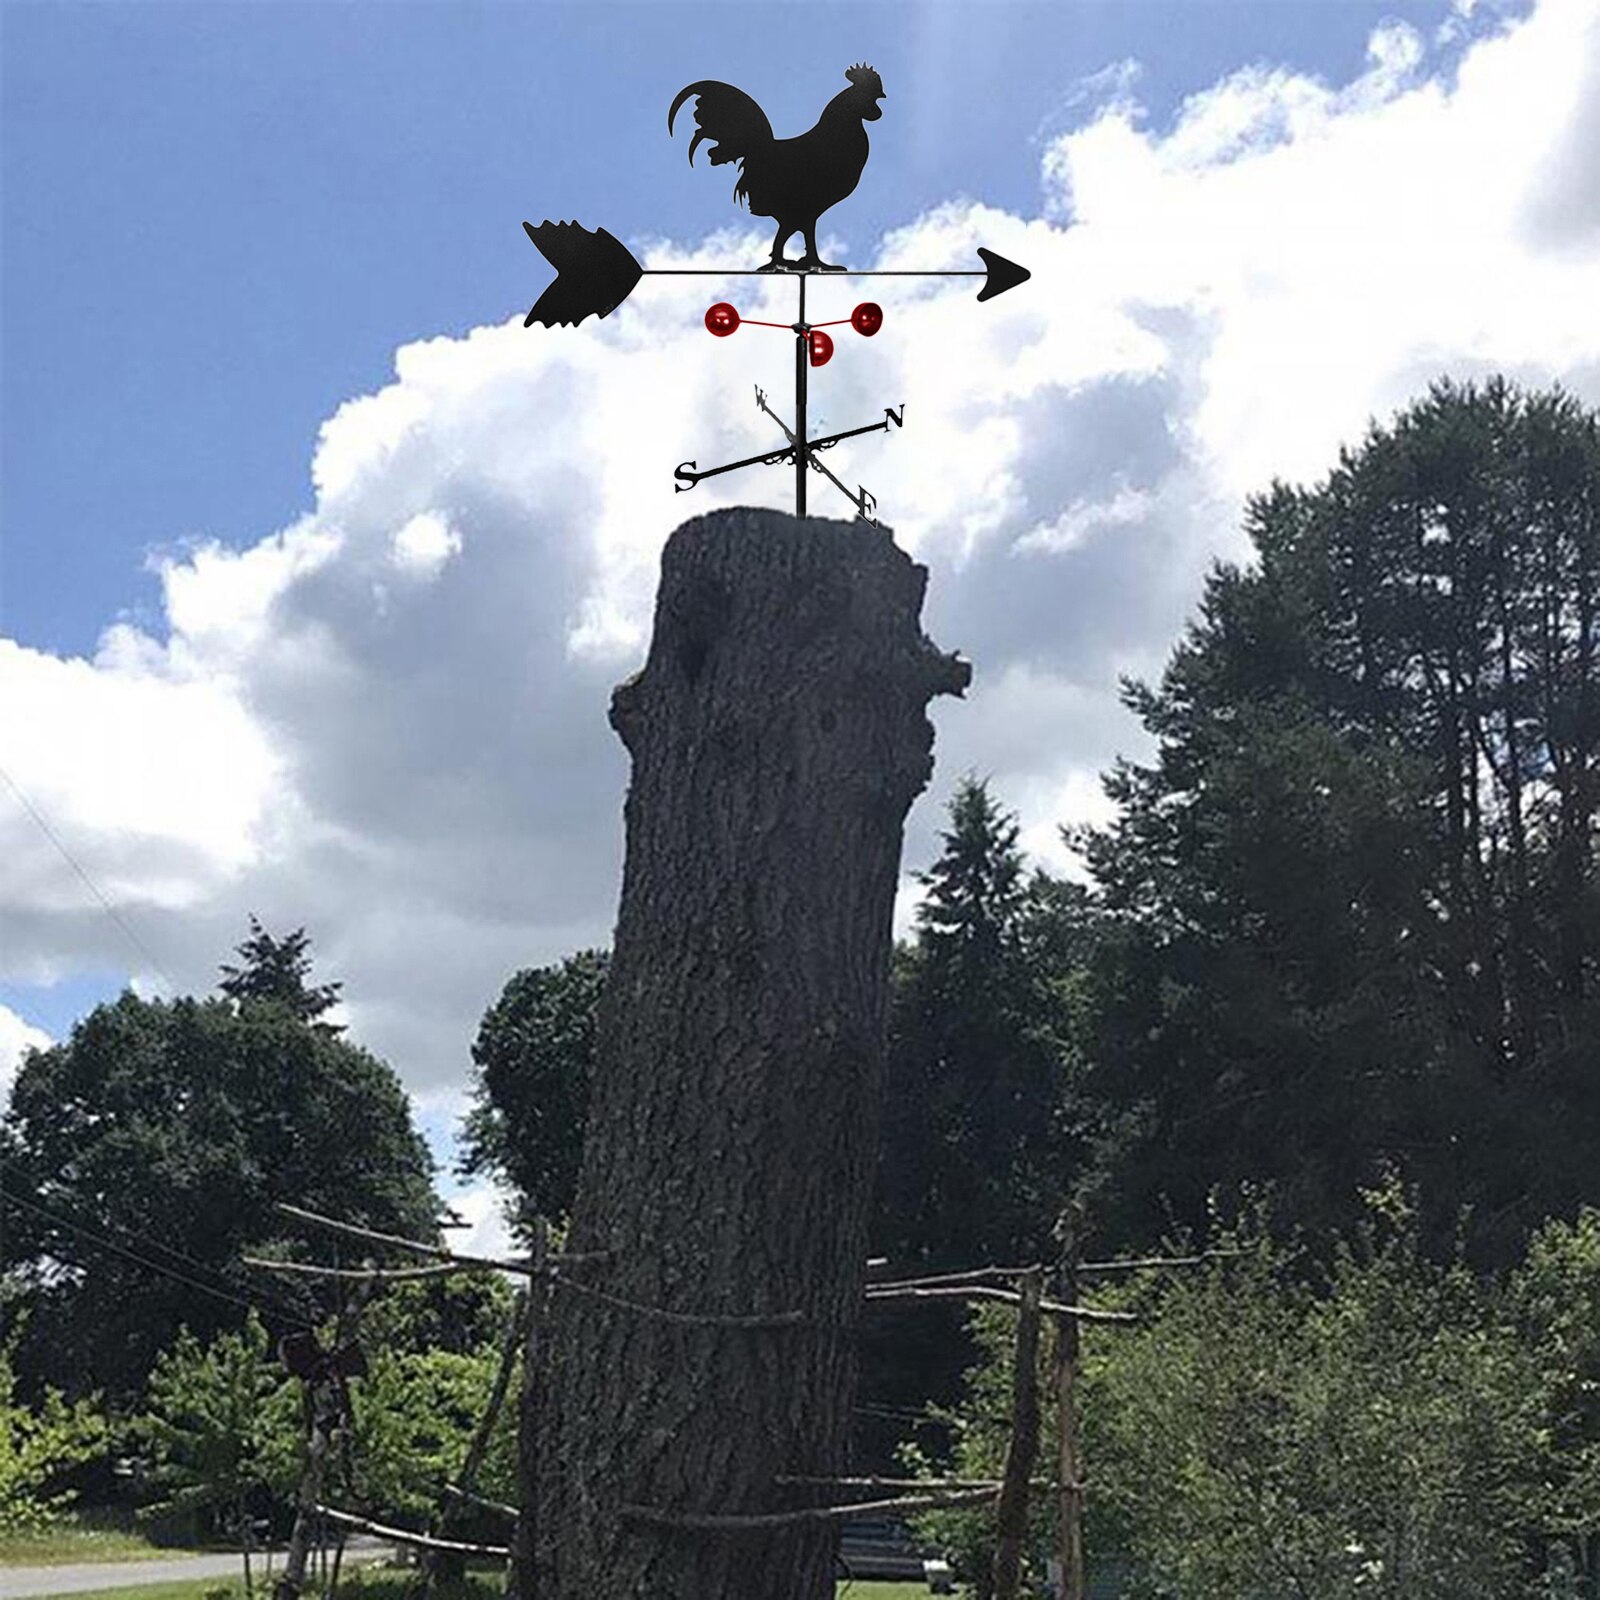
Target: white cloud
<point>1083,518</point>
<point>482,1208</point>
<point>158,771</point>
<point>17,1037</point>
<point>1394,49</point>
<point>423,545</point>
<point>388,723</point>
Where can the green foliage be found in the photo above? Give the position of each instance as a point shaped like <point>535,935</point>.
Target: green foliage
<point>1556,1293</point>
<point>1384,1434</point>
<point>220,1423</point>
<point>534,1057</point>
<point>978,1143</point>
<point>433,1351</point>
<point>415,1413</point>
<point>276,970</point>
<point>224,1427</point>
<point>155,1141</point>
<point>1349,917</point>
<point>973,1159</point>
<point>463,1313</point>
<point>37,1444</point>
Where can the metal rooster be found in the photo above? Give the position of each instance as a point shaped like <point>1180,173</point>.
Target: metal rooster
<point>791,180</point>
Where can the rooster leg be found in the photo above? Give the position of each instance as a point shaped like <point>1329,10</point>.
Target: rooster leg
<point>777,263</point>
<point>811,260</point>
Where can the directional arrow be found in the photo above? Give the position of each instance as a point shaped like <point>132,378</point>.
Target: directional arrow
<point>1003,274</point>
<point>595,273</point>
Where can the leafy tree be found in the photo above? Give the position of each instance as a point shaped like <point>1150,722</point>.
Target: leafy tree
<point>534,1056</point>
<point>415,1412</point>
<point>1556,1292</point>
<point>146,1153</point>
<point>221,1425</point>
<point>1254,1436</point>
<point>1350,915</point>
<point>277,969</point>
<point>461,1313</point>
<point>37,1444</point>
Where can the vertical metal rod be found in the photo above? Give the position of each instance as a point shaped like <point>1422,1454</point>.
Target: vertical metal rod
<point>802,353</point>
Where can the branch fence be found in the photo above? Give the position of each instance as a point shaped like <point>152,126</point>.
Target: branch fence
<point>548,1273</point>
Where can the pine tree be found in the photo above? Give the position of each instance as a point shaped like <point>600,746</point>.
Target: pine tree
<point>971,1168</point>
<point>276,970</point>
<point>975,1162</point>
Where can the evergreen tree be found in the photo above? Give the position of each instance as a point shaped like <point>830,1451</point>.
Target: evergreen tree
<point>977,1153</point>
<point>276,970</point>
<point>972,1167</point>
<point>1350,914</point>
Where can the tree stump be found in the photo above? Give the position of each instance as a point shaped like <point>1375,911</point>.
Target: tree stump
<point>778,734</point>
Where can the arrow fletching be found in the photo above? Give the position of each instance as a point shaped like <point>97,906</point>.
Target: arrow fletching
<point>595,273</point>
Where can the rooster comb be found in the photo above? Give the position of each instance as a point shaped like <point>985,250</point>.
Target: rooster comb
<point>859,72</point>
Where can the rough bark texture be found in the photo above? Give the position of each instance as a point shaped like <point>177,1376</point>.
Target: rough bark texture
<point>778,735</point>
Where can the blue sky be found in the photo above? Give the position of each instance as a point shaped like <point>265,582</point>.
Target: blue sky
<point>220,220</point>
<point>316,568</point>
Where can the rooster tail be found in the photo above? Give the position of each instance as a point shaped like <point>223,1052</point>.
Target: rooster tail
<point>729,120</point>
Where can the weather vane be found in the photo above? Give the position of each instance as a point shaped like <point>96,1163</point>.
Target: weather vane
<point>793,181</point>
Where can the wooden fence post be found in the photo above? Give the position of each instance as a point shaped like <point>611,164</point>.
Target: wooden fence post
<point>522,1571</point>
<point>1069,1460</point>
<point>1012,1514</point>
<point>433,1564</point>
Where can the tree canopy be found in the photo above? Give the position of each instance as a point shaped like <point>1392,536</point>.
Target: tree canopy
<point>145,1154</point>
<point>975,1164</point>
<point>1349,915</point>
<point>1384,1428</point>
<point>534,1057</point>
<point>277,969</point>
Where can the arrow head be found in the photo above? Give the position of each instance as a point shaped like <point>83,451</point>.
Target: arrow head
<point>1003,274</point>
<point>595,273</point>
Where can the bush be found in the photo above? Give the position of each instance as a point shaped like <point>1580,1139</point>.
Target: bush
<point>36,1446</point>
<point>1382,1432</point>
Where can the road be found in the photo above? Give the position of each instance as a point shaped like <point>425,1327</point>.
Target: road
<point>16,1582</point>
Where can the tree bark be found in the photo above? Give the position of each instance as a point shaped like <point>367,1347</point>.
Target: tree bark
<point>778,734</point>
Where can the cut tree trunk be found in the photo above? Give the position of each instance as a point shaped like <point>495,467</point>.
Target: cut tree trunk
<point>778,734</point>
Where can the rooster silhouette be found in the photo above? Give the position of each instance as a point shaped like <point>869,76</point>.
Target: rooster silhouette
<point>791,180</point>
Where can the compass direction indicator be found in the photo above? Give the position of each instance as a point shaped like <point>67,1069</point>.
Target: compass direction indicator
<point>793,181</point>
<point>688,477</point>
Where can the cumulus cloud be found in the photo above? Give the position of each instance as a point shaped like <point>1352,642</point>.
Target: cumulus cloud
<point>388,721</point>
<point>16,1039</point>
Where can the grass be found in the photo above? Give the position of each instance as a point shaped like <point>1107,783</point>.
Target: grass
<point>369,1584</point>
<point>78,1538</point>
